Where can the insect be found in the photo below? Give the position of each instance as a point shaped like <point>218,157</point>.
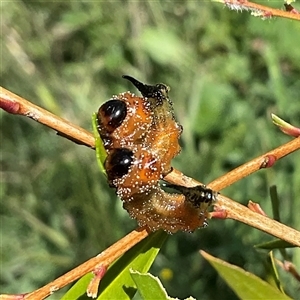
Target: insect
<point>141,137</point>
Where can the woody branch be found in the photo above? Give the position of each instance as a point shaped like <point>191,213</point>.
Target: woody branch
<point>17,105</point>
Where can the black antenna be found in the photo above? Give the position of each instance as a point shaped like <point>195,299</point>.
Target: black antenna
<point>145,89</point>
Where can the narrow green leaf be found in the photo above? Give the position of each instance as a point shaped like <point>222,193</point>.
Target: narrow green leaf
<point>285,127</point>
<point>78,290</point>
<point>100,150</point>
<point>275,203</point>
<point>245,284</point>
<point>274,273</point>
<point>150,287</point>
<point>117,282</point>
<point>275,244</point>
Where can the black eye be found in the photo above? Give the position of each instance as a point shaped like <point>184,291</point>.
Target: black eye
<point>111,114</point>
<point>118,162</point>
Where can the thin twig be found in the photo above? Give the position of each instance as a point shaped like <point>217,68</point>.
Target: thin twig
<point>260,162</point>
<point>259,10</point>
<point>239,212</point>
<point>256,164</point>
<point>17,105</point>
<point>107,257</point>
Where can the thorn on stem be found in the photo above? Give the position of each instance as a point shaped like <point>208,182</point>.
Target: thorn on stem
<point>290,8</point>
<point>268,161</point>
<point>289,267</point>
<point>267,15</point>
<point>92,289</point>
<point>256,208</point>
<point>219,213</point>
<point>53,289</point>
<point>11,107</point>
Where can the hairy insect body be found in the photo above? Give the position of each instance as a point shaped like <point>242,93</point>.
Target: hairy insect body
<point>141,135</point>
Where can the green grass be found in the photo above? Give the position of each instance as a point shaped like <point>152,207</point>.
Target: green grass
<point>227,72</point>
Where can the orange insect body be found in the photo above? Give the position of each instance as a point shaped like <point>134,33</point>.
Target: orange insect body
<point>140,135</point>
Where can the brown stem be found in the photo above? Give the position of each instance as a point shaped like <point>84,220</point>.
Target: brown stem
<point>240,172</point>
<point>107,257</point>
<point>17,105</point>
<point>239,212</point>
<point>256,164</point>
<point>261,10</point>
<point>236,211</point>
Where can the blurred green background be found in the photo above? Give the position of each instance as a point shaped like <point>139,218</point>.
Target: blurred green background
<point>227,72</point>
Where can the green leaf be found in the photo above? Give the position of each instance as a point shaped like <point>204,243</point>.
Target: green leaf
<point>289,1</point>
<point>117,282</point>
<point>206,113</point>
<point>285,127</point>
<point>165,47</point>
<point>100,150</point>
<point>246,285</point>
<point>275,203</point>
<point>150,286</point>
<point>274,272</point>
<point>78,290</point>
<point>275,244</point>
